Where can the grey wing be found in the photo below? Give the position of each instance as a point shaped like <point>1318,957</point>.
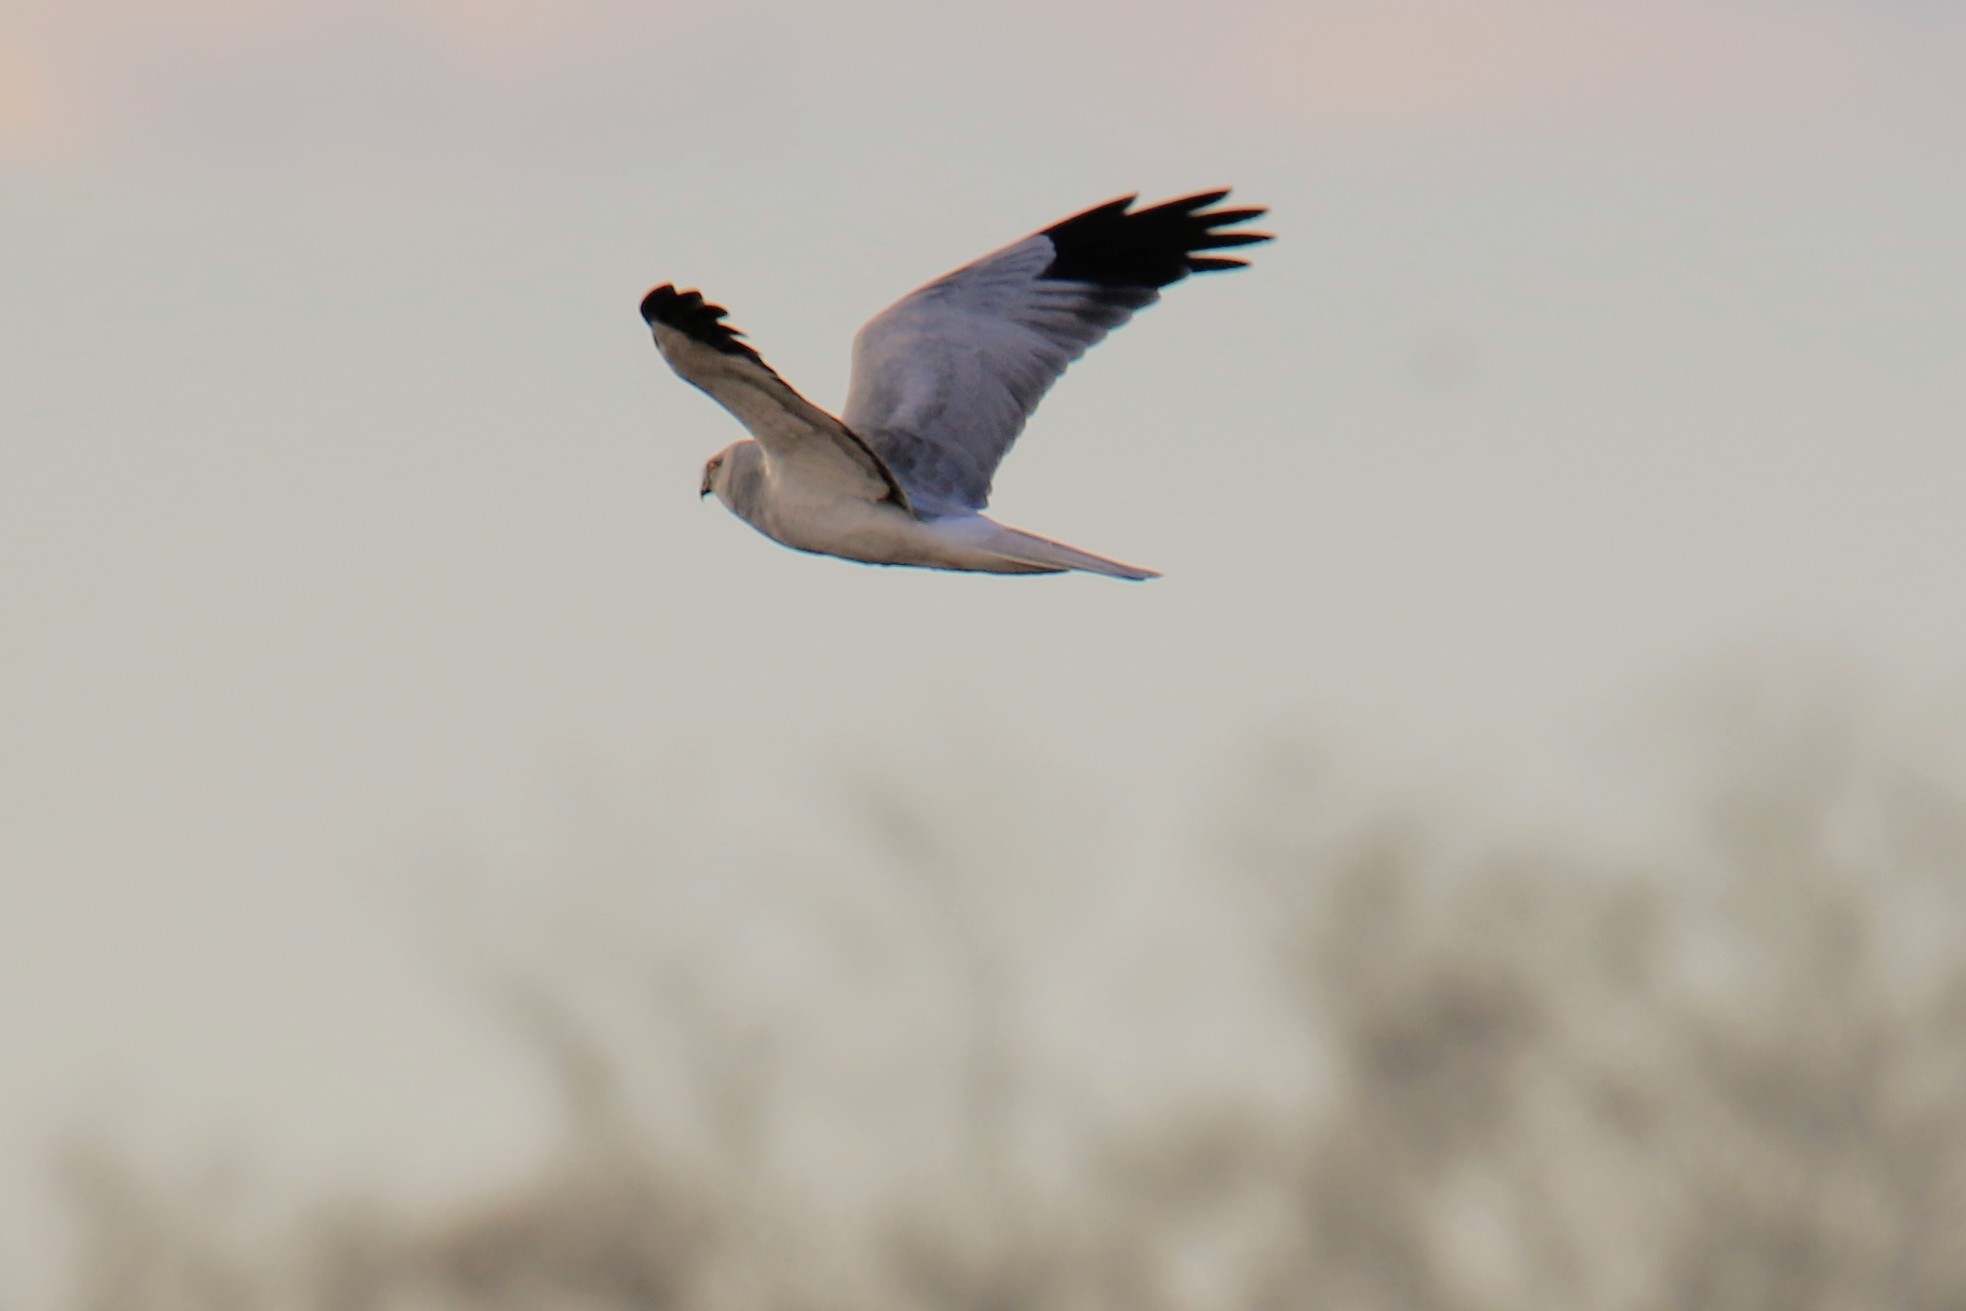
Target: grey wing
<point>945,378</point>
<point>796,434</point>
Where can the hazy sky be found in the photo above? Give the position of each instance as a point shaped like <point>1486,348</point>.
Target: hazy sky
<point>348,518</point>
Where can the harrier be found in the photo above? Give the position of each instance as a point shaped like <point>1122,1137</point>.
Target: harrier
<point>943,382</point>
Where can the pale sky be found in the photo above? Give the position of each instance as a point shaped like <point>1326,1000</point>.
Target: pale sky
<point>346,511</point>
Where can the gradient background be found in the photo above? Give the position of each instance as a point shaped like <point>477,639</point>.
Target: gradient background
<point>355,585</point>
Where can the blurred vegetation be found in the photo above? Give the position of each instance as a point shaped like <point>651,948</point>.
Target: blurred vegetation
<point>1731,1074</point>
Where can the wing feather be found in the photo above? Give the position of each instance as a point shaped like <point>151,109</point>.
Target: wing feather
<point>714,357</point>
<point>945,379</point>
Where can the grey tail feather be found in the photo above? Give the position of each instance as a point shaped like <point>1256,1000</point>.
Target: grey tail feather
<point>1029,548</point>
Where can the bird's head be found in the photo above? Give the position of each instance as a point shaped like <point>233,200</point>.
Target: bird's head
<point>721,470</point>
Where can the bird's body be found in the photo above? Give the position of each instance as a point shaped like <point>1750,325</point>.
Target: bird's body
<point>943,381</point>
<point>812,515</point>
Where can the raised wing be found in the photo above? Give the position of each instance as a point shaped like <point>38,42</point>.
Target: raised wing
<point>713,356</point>
<point>944,379</point>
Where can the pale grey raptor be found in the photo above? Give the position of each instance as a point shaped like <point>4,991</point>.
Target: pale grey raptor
<point>943,381</point>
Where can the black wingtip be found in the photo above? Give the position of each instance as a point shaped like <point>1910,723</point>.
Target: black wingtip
<point>657,304</point>
<point>688,313</point>
<point>1115,245</point>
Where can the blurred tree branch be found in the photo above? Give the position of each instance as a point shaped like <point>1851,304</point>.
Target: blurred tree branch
<point>1736,1079</point>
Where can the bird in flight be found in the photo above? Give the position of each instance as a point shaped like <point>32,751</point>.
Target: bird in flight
<point>943,382</point>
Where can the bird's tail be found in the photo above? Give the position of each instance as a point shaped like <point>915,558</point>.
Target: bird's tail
<point>1015,545</point>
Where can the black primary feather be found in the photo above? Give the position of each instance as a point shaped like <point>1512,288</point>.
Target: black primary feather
<point>688,313</point>
<point>1112,246</point>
